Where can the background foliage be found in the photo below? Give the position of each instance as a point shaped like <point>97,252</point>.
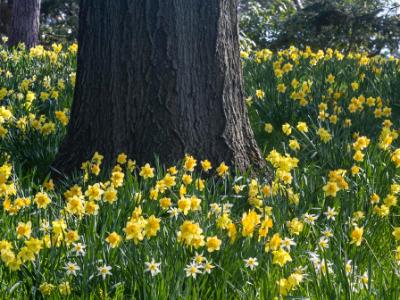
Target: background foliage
<point>369,25</point>
<point>351,25</point>
<point>59,20</point>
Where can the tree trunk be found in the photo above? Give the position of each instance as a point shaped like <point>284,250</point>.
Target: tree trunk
<point>159,77</point>
<point>25,22</point>
<point>5,17</point>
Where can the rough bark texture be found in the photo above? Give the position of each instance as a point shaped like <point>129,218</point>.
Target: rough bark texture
<point>159,77</point>
<point>25,22</point>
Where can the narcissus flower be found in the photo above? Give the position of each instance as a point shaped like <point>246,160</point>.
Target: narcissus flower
<point>46,288</point>
<point>207,267</point>
<point>268,127</point>
<point>64,288</point>
<point>213,243</point>
<point>330,79</point>
<point>192,270</point>
<point>281,257</point>
<point>189,163</point>
<point>104,271</point>
<point>281,88</point>
<point>191,234</point>
<point>114,239</point>
<point>260,94</point>
<point>24,230</point>
<point>251,263</point>
<point>355,86</point>
<point>222,169</point>
<point>287,129</point>
<point>122,158</point>
<point>396,233</point>
<point>206,165</point>
<point>302,127</point>
<point>331,188</point>
<point>249,222</point>
<point>357,235</point>
<point>153,267</point>
<point>42,200</point>
<point>71,268</point>
<point>146,171</point>
<point>294,145</point>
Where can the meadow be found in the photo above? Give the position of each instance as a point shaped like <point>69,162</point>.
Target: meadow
<point>320,222</point>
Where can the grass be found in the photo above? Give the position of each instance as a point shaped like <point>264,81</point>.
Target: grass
<point>317,258</point>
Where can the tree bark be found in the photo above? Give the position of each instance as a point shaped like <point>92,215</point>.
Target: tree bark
<point>159,77</point>
<point>25,22</point>
<point>5,17</point>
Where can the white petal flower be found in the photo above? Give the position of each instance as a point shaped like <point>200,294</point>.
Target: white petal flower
<point>192,270</point>
<point>153,267</point>
<point>251,262</point>
<point>71,268</point>
<point>104,271</point>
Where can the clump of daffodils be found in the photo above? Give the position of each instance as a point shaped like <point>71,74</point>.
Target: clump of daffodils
<point>323,211</point>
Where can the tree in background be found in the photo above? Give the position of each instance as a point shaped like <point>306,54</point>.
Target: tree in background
<point>5,16</point>
<point>59,21</point>
<point>159,78</point>
<point>25,22</point>
<point>357,25</point>
<point>368,25</point>
<point>260,19</point>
